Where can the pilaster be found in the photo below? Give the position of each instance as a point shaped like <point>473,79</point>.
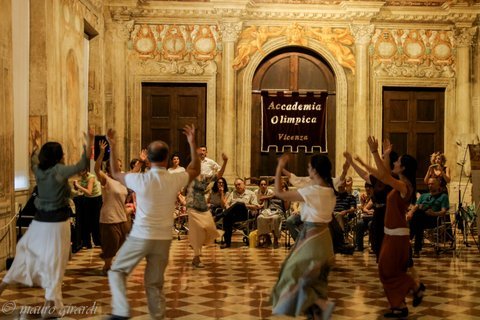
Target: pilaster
<point>227,120</point>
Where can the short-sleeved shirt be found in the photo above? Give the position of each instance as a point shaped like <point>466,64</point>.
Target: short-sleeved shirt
<point>345,201</point>
<point>208,167</point>
<point>97,187</point>
<point>196,194</point>
<point>319,203</point>
<point>156,192</point>
<point>435,202</point>
<point>113,208</point>
<point>176,170</point>
<point>247,197</point>
<point>259,194</point>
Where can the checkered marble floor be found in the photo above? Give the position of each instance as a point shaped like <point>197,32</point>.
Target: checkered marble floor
<point>236,282</point>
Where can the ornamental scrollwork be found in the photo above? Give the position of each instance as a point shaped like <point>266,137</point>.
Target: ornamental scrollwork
<point>175,43</point>
<point>413,53</point>
<point>338,41</point>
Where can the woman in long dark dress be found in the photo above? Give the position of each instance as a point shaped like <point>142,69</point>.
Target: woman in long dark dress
<point>395,252</point>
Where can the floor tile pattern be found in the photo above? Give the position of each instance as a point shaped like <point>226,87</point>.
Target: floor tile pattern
<point>236,282</point>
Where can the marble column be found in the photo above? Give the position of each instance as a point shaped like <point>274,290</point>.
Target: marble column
<point>363,34</point>
<point>227,111</point>
<point>463,42</point>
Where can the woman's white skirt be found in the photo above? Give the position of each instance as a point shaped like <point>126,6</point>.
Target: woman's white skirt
<point>41,258</point>
<point>201,229</point>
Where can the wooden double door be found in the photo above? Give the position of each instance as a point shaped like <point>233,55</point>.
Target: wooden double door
<point>167,108</point>
<point>291,69</point>
<point>413,120</point>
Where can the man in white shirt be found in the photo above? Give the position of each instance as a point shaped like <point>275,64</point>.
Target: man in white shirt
<point>208,167</point>
<point>151,235</point>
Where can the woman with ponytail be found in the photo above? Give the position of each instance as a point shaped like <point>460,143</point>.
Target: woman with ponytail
<point>394,256</point>
<point>301,287</point>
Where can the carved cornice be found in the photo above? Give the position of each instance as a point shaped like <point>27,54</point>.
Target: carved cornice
<point>464,36</point>
<point>230,31</point>
<point>362,33</point>
<point>334,11</point>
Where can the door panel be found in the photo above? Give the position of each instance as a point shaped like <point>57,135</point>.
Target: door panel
<point>414,122</point>
<point>167,108</point>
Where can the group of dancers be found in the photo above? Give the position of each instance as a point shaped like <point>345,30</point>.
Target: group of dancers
<point>301,289</point>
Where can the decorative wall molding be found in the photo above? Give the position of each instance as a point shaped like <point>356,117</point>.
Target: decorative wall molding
<point>464,36</point>
<point>338,41</point>
<point>174,48</point>
<point>413,53</point>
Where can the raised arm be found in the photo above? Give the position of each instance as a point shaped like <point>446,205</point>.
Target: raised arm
<point>98,163</point>
<point>35,149</point>
<point>89,189</point>
<point>362,173</point>
<point>224,165</point>
<point>114,167</point>
<point>381,172</point>
<point>429,173</point>
<point>387,149</point>
<point>84,162</point>
<point>291,195</point>
<point>193,168</point>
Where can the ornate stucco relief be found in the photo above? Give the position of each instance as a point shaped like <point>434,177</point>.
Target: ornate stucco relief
<point>413,53</point>
<point>338,41</point>
<point>188,49</point>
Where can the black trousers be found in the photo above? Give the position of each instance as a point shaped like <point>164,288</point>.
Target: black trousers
<point>420,221</point>
<point>236,213</point>
<point>89,220</point>
<point>376,229</point>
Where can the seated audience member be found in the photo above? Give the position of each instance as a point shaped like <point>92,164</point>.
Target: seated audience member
<point>238,204</point>
<point>270,219</point>
<point>364,223</point>
<point>349,187</point>
<point>217,198</point>
<point>263,194</point>
<point>423,215</point>
<point>345,206</point>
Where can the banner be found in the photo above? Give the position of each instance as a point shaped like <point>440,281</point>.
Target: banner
<point>294,122</point>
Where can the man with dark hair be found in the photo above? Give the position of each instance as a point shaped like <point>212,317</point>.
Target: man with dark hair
<point>156,192</point>
<point>208,166</point>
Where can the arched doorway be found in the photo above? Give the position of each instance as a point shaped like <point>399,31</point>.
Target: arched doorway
<point>290,69</point>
